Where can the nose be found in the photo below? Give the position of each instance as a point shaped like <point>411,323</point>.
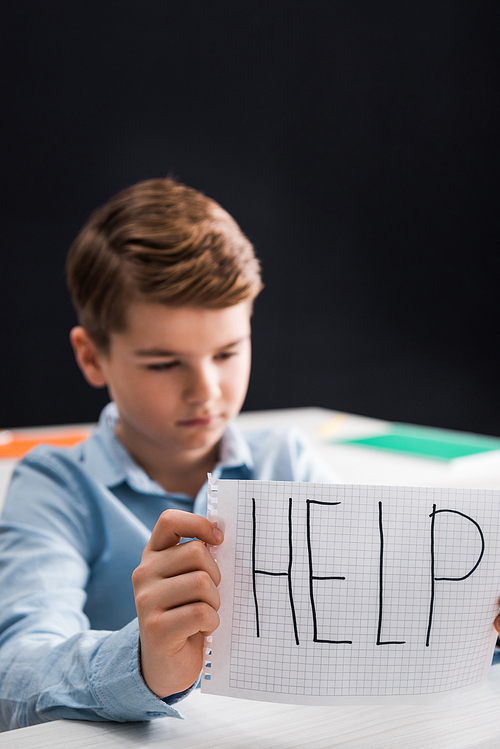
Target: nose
<point>203,385</point>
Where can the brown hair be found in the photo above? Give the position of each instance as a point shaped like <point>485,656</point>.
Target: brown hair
<point>164,241</point>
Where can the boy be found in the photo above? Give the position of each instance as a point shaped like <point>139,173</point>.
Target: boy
<point>163,281</point>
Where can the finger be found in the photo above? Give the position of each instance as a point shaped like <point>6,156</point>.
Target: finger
<point>194,587</point>
<point>497,624</point>
<point>174,627</point>
<point>172,525</point>
<point>181,559</point>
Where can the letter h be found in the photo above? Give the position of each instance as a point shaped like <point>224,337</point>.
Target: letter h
<point>287,574</point>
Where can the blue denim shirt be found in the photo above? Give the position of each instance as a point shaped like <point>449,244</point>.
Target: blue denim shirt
<point>74,525</point>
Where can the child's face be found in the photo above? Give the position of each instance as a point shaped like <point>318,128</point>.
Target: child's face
<point>177,375</point>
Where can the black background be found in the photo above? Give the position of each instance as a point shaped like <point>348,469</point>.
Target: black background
<point>354,142</point>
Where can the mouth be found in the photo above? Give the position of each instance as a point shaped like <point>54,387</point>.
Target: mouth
<point>199,421</point>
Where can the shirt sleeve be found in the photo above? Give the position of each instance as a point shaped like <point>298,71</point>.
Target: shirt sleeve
<point>286,455</point>
<point>52,665</point>
<point>307,464</point>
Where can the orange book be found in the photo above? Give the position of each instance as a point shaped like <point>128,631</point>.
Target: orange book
<point>14,445</point>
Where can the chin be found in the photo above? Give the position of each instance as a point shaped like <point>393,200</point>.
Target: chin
<point>207,443</point>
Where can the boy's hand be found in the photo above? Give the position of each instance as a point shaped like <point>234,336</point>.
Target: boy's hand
<point>176,596</point>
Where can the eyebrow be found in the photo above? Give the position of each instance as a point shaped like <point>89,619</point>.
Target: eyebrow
<point>163,352</point>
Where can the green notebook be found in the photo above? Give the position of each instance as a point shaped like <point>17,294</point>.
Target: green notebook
<point>426,442</point>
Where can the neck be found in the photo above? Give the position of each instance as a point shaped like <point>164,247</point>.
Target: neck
<point>181,472</point>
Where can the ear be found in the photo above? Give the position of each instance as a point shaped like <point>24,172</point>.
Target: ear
<point>87,356</point>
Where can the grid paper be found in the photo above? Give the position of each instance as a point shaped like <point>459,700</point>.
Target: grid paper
<point>340,593</point>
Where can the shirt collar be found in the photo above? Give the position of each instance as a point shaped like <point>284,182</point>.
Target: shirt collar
<point>110,462</point>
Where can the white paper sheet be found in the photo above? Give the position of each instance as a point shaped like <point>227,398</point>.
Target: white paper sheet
<point>335,593</point>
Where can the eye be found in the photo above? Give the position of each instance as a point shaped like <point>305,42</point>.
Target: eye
<point>162,366</point>
<point>224,355</point>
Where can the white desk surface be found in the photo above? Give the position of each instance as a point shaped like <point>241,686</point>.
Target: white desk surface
<point>463,722</point>
<point>358,465</point>
<point>466,721</point>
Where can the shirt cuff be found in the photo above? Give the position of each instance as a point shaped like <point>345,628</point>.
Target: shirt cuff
<point>117,683</point>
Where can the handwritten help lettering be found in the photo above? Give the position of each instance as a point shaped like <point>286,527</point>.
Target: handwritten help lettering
<point>315,580</point>
<point>339,594</point>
